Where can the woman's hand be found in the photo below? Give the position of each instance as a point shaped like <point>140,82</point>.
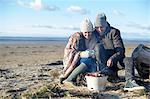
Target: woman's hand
<point>84,54</point>
<point>87,53</point>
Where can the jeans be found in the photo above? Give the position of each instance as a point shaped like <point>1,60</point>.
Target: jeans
<point>102,56</point>
<point>129,68</point>
<point>90,63</point>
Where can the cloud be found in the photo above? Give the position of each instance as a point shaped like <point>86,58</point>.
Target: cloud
<point>43,26</point>
<point>37,5</point>
<point>118,13</point>
<point>77,9</point>
<point>51,8</point>
<point>71,28</point>
<point>19,2</point>
<point>138,26</point>
<point>53,27</point>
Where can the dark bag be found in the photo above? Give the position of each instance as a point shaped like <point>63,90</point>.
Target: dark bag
<point>141,59</point>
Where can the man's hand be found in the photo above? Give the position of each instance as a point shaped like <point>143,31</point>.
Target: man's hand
<point>109,62</point>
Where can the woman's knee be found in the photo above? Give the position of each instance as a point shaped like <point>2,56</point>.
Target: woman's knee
<point>87,61</point>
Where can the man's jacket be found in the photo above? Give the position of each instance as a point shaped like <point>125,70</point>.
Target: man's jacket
<point>113,44</point>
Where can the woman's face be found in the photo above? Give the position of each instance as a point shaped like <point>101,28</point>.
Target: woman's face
<point>87,35</point>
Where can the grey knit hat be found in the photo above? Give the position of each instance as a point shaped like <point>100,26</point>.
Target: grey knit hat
<point>101,20</point>
<point>86,26</point>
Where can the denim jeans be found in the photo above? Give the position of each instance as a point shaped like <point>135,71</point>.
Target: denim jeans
<point>102,56</point>
<point>90,63</point>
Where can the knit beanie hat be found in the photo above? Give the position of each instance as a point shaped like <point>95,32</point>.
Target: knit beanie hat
<point>101,20</point>
<point>86,26</point>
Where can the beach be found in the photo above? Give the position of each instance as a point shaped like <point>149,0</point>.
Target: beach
<point>25,67</point>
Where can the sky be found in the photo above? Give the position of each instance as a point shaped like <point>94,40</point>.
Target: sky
<point>61,18</point>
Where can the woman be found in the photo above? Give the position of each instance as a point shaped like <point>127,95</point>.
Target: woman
<point>79,52</point>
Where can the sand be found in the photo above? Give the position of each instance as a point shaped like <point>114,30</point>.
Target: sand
<point>25,68</point>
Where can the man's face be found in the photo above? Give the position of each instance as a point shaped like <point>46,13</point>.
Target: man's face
<point>100,29</point>
<point>87,35</point>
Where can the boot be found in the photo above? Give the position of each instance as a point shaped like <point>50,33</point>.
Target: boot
<point>78,70</point>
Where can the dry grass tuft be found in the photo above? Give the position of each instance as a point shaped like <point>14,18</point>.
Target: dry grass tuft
<point>47,92</point>
<point>55,73</point>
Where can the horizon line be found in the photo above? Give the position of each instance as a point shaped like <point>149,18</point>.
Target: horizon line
<point>143,39</point>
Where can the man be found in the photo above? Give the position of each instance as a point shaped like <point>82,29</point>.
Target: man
<point>114,48</point>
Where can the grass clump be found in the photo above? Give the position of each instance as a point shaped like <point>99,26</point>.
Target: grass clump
<point>54,73</point>
<point>49,91</point>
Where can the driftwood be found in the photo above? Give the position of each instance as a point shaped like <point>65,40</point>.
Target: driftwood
<point>141,58</point>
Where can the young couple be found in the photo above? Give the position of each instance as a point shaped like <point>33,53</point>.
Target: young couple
<point>98,48</point>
